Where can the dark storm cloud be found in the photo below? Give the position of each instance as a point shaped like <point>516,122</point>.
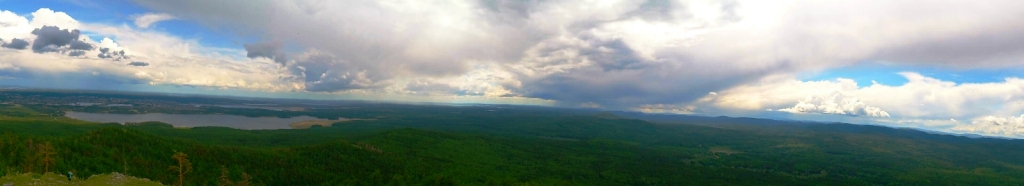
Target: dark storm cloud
<point>269,50</point>
<point>74,80</point>
<point>76,53</point>
<point>80,45</point>
<point>614,55</point>
<point>371,48</point>
<point>617,75</point>
<point>105,53</point>
<point>16,44</point>
<point>325,73</point>
<point>315,67</point>
<point>630,87</point>
<point>138,63</point>
<point>52,38</point>
<point>984,49</point>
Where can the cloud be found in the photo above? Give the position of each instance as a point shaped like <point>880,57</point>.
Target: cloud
<point>53,39</point>
<point>666,108</point>
<point>46,17</point>
<point>106,53</point>
<point>76,53</point>
<point>269,50</point>
<point>836,103</point>
<point>16,44</point>
<point>1012,126</point>
<point>658,55</point>
<point>13,26</point>
<point>145,20</point>
<point>484,81</point>
<point>108,43</point>
<point>322,72</point>
<point>590,105</point>
<point>80,45</point>
<point>928,97</point>
<point>921,97</point>
<point>183,62</point>
<point>615,53</point>
<point>776,92</point>
<point>921,102</point>
<point>430,88</point>
<point>418,40</point>
<point>138,63</point>
<point>620,54</point>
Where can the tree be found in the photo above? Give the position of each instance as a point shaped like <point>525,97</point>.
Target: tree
<point>245,180</point>
<point>183,167</point>
<point>224,179</point>
<point>125,161</point>
<point>47,152</point>
<point>28,157</point>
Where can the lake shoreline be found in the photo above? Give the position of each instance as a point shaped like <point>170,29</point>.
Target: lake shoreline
<point>201,120</point>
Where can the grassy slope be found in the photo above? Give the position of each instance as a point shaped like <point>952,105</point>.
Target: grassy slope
<point>114,179</point>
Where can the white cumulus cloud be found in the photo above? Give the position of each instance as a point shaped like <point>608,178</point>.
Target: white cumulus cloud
<point>1012,126</point>
<point>835,103</point>
<point>13,26</point>
<point>921,97</point>
<point>922,101</point>
<point>47,17</point>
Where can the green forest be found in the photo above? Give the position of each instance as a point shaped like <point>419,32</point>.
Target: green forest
<point>481,145</point>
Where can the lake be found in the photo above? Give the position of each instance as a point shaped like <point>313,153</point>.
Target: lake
<point>194,120</point>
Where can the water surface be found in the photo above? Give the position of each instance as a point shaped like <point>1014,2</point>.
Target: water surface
<point>194,120</point>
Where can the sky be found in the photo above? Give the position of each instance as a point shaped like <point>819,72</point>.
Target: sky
<point>947,66</point>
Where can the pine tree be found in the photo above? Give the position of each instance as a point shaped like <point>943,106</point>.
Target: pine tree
<point>125,161</point>
<point>245,180</point>
<point>224,179</point>
<point>28,166</point>
<point>183,167</point>
<point>47,152</point>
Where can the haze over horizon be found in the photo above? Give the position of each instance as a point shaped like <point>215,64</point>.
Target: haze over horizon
<point>949,66</point>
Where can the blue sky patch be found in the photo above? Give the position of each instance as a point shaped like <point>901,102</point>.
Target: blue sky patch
<point>888,74</point>
<point>121,13</point>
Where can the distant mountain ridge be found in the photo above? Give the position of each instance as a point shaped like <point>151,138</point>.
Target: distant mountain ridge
<point>726,120</point>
